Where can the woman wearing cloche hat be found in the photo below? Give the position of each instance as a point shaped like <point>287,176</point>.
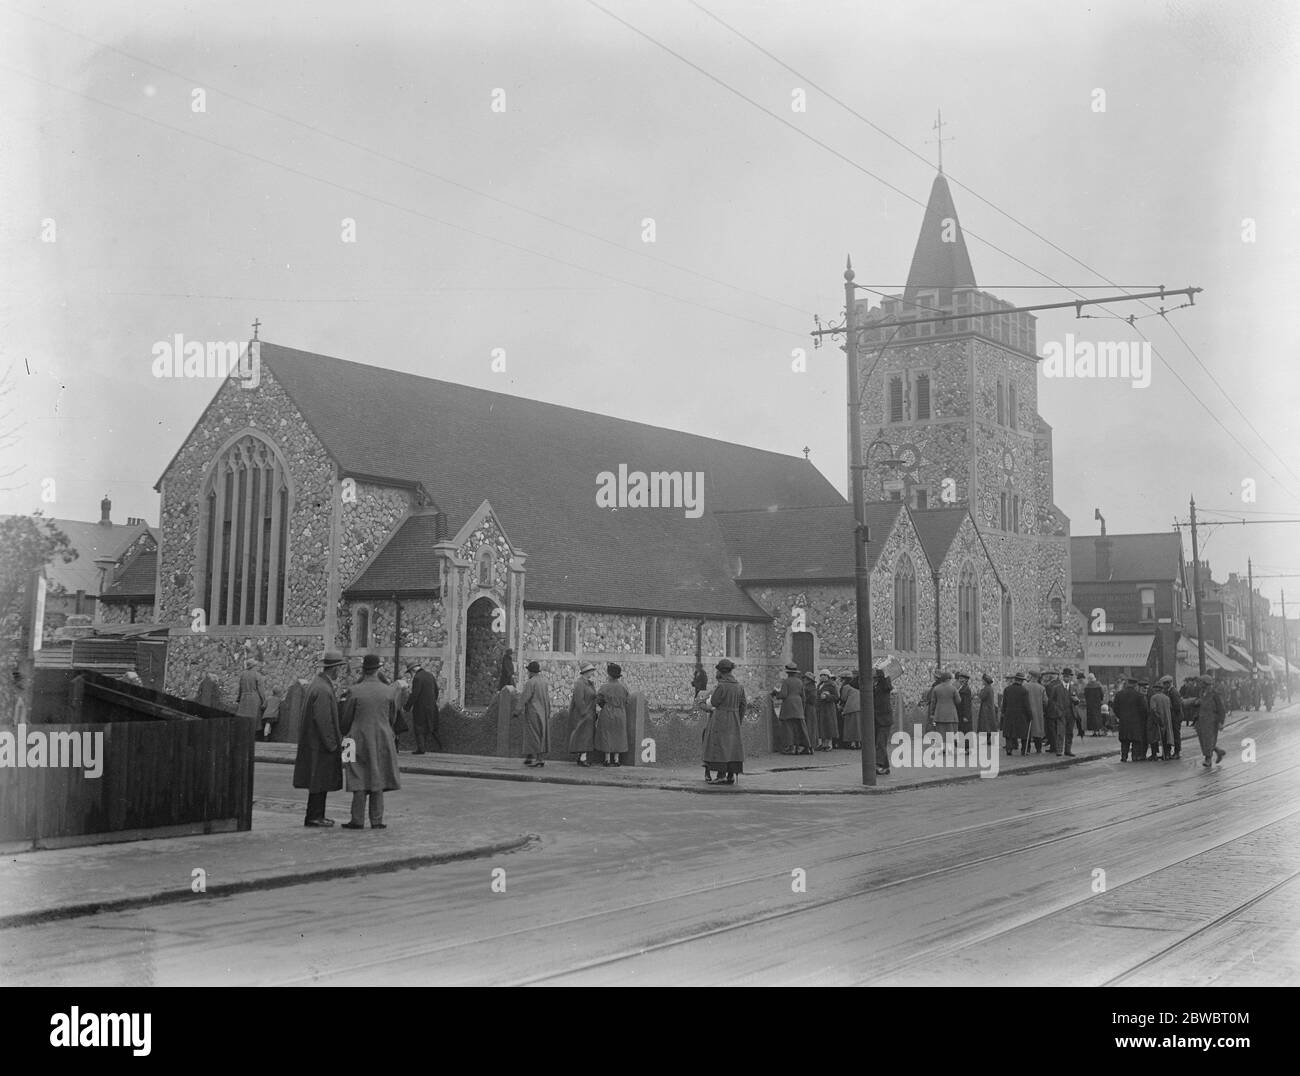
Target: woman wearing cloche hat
<point>724,753</point>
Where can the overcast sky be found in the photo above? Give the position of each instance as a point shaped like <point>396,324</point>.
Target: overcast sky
<point>170,220</point>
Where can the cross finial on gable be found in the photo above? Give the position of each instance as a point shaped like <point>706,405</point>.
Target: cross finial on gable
<point>257,324</point>
<point>807,452</point>
<point>939,125</point>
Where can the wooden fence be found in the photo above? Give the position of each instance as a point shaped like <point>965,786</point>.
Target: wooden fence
<point>168,767</point>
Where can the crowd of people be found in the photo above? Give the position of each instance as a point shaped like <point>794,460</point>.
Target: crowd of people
<point>350,734</point>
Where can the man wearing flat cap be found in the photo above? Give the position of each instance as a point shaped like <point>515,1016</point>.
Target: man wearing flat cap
<point>1209,720</point>
<point>319,767</point>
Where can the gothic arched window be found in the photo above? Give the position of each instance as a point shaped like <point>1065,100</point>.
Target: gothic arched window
<point>905,605</point>
<point>564,633</point>
<point>247,502</point>
<point>484,566</point>
<point>968,611</point>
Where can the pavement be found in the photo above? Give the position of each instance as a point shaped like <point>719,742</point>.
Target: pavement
<point>826,773</point>
<point>279,851</point>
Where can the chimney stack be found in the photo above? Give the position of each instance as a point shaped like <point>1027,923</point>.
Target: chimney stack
<point>105,507</point>
<point>439,526</point>
<point>1103,547</point>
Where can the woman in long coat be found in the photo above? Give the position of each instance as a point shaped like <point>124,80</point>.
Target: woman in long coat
<point>724,753</point>
<point>582,715</point>
<point>611,723</point>
<point>368,717</point>
<point>791,715</point>
<point>1209,719</point>
<point>827,718</point>
<point>851,705</point>
<point>943,708</point>
<point>1093,697</point>
<point>535,704</point>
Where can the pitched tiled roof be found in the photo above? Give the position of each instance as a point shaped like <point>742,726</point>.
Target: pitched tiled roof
<point>1133,557</point>
<point>791,544</point>
<point>936,263</point>
<point>136,579</point>
<point>90,540</point>
<point>937,527</point>
<point>406,564</point>
<point>537,464</point>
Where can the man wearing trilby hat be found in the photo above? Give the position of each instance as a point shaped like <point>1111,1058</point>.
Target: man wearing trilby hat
<point>1017,717</point>
<point>368,716</point>
<point>791,714</point>
<point>318,767</point>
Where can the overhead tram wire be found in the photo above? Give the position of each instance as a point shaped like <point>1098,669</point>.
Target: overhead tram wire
<point>1010,216</point>
<point>379,154</point>
<point>401,208</point>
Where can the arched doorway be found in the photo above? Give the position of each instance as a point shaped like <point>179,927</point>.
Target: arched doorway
<point>484,649</point>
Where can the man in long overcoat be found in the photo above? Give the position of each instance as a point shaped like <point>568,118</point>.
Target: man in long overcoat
<point>1061,705</point>
<point>828,693</point>
<point>1093,697</point>
<point>534,703</point>
<point>1017,717</point>
<point>942,701</point>
<point>1160,732</point>
<point>1131,712</point>
<point>883,718</point>
<point>791,714</point>
<point>724,752</point>
<point>1037,705</point>
<point>369,715</point>
<point>582,714</point>
<point>1209,720</point>
<point>251,698</point>
<point>318,767</point>
<point>423,704</point>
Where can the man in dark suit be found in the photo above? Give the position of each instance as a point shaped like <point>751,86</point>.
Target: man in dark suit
<point>319,765</point>
<point>1131,711</point>
<point>1016,715</point>
<point>423,704</point>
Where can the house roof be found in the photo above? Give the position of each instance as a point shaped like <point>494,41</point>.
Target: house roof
<point>406,564</point>
<point>1133,557</point>
<point>537,464</point>
<point>936,263</point>
<point>790,544</point>
<point>937,528</point>
<point>91,541</point>
<point>136,579</point>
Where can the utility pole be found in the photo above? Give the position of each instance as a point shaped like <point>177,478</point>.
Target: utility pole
<point>1196,591</point>
<point>1286,650</point>
<point>1250,604</point>
<point>861,576</point>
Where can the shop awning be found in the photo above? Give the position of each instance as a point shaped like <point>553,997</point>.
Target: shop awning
<point>1118,650</point>
<point>1214,658</point>
<point>1278,665</point>
<point>1241,655</point>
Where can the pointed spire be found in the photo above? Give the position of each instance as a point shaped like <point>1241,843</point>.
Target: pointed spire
<point>940,259</point>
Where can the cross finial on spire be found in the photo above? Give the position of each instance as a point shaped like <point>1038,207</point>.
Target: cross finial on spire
<point>939,125</point>
<point>807,452</point>
<point>256,325</point>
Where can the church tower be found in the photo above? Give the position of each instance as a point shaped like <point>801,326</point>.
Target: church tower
<point>950,418</point>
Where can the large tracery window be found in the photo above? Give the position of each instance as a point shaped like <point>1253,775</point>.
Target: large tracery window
<point>247,503</point>
<point>905,605</point>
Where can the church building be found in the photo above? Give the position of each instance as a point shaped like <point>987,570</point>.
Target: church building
<point>335,504</point>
